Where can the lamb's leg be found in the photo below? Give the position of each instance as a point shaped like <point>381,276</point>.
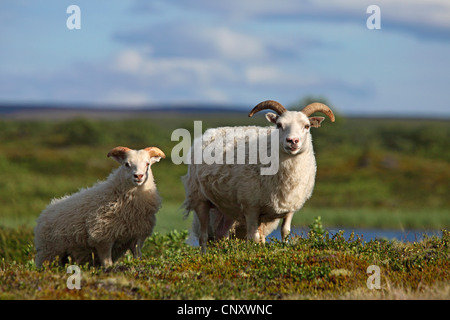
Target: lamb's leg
<point>252,221</point>
<point>202,212</point>
<point>286,226</point>
<point>136,247</point>
<point>41,257</point>
<point>104,253</point>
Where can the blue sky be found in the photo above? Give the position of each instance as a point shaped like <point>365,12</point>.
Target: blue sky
<point>236,52</point>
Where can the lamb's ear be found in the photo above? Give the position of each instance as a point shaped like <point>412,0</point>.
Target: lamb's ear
<point>272,117</point>
<point>155,154</point>
<point>118,153</point>
<point>316,121</point>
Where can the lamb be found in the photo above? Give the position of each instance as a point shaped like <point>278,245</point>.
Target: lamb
<point>230,194</point>
<point>99,224</point>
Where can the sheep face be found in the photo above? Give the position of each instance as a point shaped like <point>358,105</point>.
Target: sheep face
<point>137,162</point>
<point>137,165</point>
<point>293,130</point>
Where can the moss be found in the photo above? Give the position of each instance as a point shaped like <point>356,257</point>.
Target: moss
<point>234,269</point>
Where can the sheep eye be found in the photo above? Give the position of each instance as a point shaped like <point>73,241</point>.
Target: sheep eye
<point>147,164</point>
<point>127,164</point>
<point>279,126</point>
<point>307,127</point>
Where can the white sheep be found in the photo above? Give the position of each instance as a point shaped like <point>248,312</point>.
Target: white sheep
<point>99,224</point>
<point>230,193</point>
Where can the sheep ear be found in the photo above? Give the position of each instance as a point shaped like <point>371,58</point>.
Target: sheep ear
<point>118,153</point>
<point>155,154</point>
<point>316,121</point>
<point>272,117</point>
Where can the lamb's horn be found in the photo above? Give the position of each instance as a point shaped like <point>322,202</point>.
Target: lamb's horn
<point>318,107</point>
<point>268,104</point>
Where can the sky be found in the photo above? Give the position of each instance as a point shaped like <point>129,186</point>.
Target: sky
<point>140,53</point>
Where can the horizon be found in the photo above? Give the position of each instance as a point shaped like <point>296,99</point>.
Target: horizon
<point>67,110</point>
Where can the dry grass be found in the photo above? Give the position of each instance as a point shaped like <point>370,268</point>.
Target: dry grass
<point>315,267</point>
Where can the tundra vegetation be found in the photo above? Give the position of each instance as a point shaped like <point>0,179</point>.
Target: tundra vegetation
<point>381,173</point>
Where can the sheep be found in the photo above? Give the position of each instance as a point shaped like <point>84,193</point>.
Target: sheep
<point>220,226</point>
<point>241,194</point>
<point>99,224</point>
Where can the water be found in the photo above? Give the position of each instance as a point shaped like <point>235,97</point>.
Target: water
<point>370,234</point>
<point>367,234</point>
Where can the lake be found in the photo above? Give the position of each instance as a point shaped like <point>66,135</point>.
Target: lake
<point>370,234</point>
<point>366,233</point>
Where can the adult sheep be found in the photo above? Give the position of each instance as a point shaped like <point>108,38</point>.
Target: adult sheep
<point>99,224</point>
<point>230,193</point>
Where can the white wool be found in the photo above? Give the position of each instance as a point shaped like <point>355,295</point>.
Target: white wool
<point>116,214</point>
<point>241,193</point>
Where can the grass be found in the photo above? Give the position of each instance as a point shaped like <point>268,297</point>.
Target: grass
<point>374,173</point>
<point>313,267</point>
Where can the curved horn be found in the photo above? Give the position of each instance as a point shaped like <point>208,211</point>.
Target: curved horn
<point>268,104</point>
<point>318,107</point>
<point>155,152</point>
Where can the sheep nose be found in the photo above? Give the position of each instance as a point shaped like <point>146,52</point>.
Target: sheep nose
<point>293,140</point>
<point>139,176</point>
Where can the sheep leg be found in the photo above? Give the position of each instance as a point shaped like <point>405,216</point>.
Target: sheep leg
<point>202,211</point>
<point>41,257</point>
<point>286,226</point>
<point>252,221</point>
<point>262,236</point>
<point>223,225</point>
<point>136,247</point>
<point>104,253</point>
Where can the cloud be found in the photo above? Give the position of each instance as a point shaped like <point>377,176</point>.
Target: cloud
<point>244,51</point>
<point>133,77</point>
<point>275,76</point>
<point>425,19</point>
<point>129,61</point>
<point>195,40</point>
<point>172,70</point>
<point>125,98</point>
<point>234,45</point>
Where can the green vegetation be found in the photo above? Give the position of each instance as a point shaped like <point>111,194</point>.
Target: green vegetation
<point>314,267</point>
<point>371,172</point>
<point>382,173</point>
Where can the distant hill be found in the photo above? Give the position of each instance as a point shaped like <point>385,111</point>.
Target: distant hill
<point>12,111</point>
<point>63,111</point>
